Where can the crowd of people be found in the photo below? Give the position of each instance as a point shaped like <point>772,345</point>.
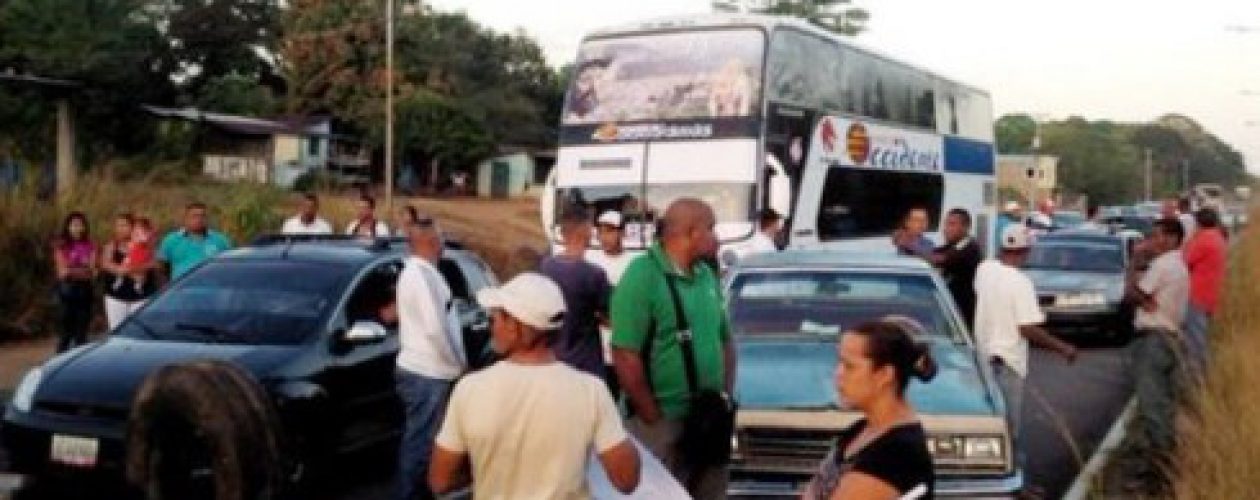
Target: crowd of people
<point>130,266</point>
<point>594,328</point>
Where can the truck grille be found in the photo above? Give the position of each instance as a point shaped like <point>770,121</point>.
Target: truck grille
<point>783,450</point>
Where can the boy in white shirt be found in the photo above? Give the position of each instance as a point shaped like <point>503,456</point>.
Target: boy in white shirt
<point>527,424</point>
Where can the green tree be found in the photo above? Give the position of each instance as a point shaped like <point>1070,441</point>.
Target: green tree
<point>111,47</point>
<point>440,133</point>
<point>1095,159</point>
<point>209,39</point>
<point>238,94</point>
<point>332,55</point>
<point>1014,133</point>
<point>837,16</point>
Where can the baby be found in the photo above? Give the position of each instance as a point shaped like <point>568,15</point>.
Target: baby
<point>140,252</point>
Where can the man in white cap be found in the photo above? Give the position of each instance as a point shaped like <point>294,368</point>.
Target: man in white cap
<point>1008,317</point>
<point>527,424</point>
<point>1012,213</point>
<point>612,257</point>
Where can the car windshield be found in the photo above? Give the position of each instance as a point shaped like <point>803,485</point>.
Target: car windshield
<point>1076,256</point>
<point>265,303</point>
<point>825,303</point>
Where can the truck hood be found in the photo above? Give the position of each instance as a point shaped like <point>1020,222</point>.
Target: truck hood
<point>790,373</point>
<point>107,374</point>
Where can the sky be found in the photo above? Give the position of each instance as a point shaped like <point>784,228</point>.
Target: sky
<point>1122,60</point>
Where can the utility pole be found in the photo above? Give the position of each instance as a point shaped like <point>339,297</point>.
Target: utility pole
<point>1147,176</point>
<point>389,106</point>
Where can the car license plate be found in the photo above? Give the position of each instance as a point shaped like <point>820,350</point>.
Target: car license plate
<point>74,451</point>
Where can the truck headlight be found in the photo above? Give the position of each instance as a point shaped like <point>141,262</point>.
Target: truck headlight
<point>958,447</point>
<point>24,396</point>
<point>983,448</point>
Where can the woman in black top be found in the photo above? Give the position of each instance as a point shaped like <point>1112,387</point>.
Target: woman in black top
<point>123,296</point>
<point>884,455</point>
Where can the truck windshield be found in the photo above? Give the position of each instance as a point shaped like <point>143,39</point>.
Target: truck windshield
<point>687,75</point>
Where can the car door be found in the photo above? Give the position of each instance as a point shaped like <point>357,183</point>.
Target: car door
<point>466,276</point>
<point>359,378</point>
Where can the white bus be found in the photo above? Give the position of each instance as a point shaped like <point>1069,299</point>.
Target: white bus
<point>747,112</point>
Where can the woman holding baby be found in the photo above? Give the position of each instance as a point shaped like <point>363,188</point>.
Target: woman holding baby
<point>127,260</point>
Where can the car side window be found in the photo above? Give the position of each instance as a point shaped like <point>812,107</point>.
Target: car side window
<point>374,297</point>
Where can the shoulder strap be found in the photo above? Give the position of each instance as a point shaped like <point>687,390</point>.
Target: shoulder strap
<point>683,336</point>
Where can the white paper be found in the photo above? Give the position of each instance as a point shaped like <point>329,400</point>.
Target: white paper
<point>655,481</point>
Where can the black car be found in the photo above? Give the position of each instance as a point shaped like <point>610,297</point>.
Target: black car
<point>260,364</point>
<point>1079,278</point>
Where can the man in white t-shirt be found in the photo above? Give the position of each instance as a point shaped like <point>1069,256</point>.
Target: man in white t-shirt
<point>366,225</point>
<point>1008,317</point>
<point>765,240</point>
<point>612,257</point>
<point>527,424</point>
<point>429,359</point>
<point>1159,351</point>
<point>307,221</point>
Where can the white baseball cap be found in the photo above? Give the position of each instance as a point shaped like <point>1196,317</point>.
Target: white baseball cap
<point>531,298</point>
<point>1015,237</point>
<point>609,218</point>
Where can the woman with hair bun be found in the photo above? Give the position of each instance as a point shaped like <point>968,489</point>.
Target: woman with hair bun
<point>884,455</point>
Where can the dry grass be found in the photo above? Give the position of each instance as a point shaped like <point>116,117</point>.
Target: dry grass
<point>495,229</point>
<point>1219,448</point>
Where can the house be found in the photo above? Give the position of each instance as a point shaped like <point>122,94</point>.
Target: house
<point>514,172</point>
<point>279,152</point>
<point>1034,177</point>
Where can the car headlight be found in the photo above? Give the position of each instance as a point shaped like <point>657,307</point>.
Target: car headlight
<point>1080,299</point>
<point>24,396</point>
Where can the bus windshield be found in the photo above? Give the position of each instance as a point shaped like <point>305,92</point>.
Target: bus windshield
<point>642,205</point>
<point>687,75</point>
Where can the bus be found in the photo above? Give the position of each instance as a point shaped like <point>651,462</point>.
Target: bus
<point>747,112</point>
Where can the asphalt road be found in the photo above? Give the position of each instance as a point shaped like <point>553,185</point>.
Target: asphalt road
<point>1067,412</point>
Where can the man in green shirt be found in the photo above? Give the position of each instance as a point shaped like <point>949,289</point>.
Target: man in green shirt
<point>646,351</point>
<point>183,249</point>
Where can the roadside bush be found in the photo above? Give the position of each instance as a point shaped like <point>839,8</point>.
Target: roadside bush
<point>1218,453</point>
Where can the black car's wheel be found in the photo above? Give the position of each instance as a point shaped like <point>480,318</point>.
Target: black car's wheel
<point>204,429</point>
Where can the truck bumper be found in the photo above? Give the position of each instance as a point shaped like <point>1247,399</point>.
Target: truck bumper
<point>946,487</point>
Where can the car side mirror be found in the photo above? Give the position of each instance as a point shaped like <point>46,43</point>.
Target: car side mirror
<point>365,332</point>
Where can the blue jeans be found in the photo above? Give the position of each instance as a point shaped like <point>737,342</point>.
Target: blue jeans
<point>424,406</point>
<point>1196,328</point>
<point>1159,369</point>
<point>1012,386</point>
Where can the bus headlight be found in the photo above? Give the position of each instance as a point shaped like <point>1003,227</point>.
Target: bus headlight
<point>24,396</point>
